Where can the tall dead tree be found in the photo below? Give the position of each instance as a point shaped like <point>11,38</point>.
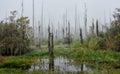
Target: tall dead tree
<point>69,37</point>
<point>80,33</point>
<point>50,41</point>
<point>104,18</point>
<point>93,25</point>
<point>39,34</point>
<point>33,19</point>
<point>22,24</point>
<point>97,28</point>
<point>42,35</point>
<point>57,30</point>
<point>75,21</point>
<point>110,17</point>
<point>63,29</point>
<point>66,31</point>
<point>49,47</point>
<point>85,20</point>
<point>66,22</point>
<point>56,36</point>
<point>81,36</point>
<point>22,9</point>
<point>63,34</point>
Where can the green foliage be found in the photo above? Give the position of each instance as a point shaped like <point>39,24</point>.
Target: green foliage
<point>14,39</point>
<point>114,34</point>
<point>11,71</point>
<point>110,39</point>
<point>76,44</point>
<point>19,62</point>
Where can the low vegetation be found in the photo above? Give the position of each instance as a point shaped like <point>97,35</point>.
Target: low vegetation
<point>14,35</point>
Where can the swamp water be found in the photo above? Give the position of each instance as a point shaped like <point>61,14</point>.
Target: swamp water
<point>59,63</point>
<point>64,65</point>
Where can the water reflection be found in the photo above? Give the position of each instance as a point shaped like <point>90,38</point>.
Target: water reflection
<point>51,63</point>
<point>59,63</point>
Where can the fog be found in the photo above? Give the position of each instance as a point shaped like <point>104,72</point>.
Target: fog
<point>56,10</point>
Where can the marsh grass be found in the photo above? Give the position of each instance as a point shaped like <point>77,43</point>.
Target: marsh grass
<point>18,71</point>
<point>14,64</point>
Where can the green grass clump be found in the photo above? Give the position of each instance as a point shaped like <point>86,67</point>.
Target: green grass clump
<point>17,61</point>
<point>11,71</point>
<point>85,54</point>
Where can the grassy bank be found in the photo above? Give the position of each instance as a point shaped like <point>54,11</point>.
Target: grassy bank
<point>102,55</point>
<point>16,64</point>
<point>18,71</point>
<point>72,53</point>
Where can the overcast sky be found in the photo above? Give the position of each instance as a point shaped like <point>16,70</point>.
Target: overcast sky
<point>55,9</point>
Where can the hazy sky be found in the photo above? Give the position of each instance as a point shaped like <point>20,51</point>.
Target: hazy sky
<point>55,9</point>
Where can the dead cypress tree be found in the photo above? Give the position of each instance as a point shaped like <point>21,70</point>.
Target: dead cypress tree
<point>42,22</point>
<point>110,17</point>
<point>52,44</point>
<point>33,19</point>
<point>63,29</point>
<point>56,36</point>
<point>66,35</point>
<point>63,34</point>
<point>97,30</point>
<point>66,23</point>
<point>22,24</point>
<point>50,41</point>
<point>58,31</point>
<point>39,34</point>
<point>85,20</point>
<point>49,47</point>
<point>92,29</point>
<point>69,38</point>
<point>81,36</point>
<point>75,20</point>
<point>22,9</point>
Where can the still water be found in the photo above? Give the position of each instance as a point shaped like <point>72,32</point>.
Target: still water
<point>65,65</point>
<point>59,63</point>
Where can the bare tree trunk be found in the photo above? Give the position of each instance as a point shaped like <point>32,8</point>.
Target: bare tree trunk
<point>49,47</point>
<point>81,36</point>
<point>97,30</point>
<point>93,27</point>
<point>33,19</point>
<point>39,37</point>
<point>69,37</point>
<point>52,43</point>
<point>22,9</point>
<point>42,30</point>
<point>75,21</point>
<point>56,36</point>
<point>85,20</point>
<point>63,35</point>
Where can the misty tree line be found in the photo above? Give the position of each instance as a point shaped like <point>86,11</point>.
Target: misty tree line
<point>107,38</point>
<point>16,34</point>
